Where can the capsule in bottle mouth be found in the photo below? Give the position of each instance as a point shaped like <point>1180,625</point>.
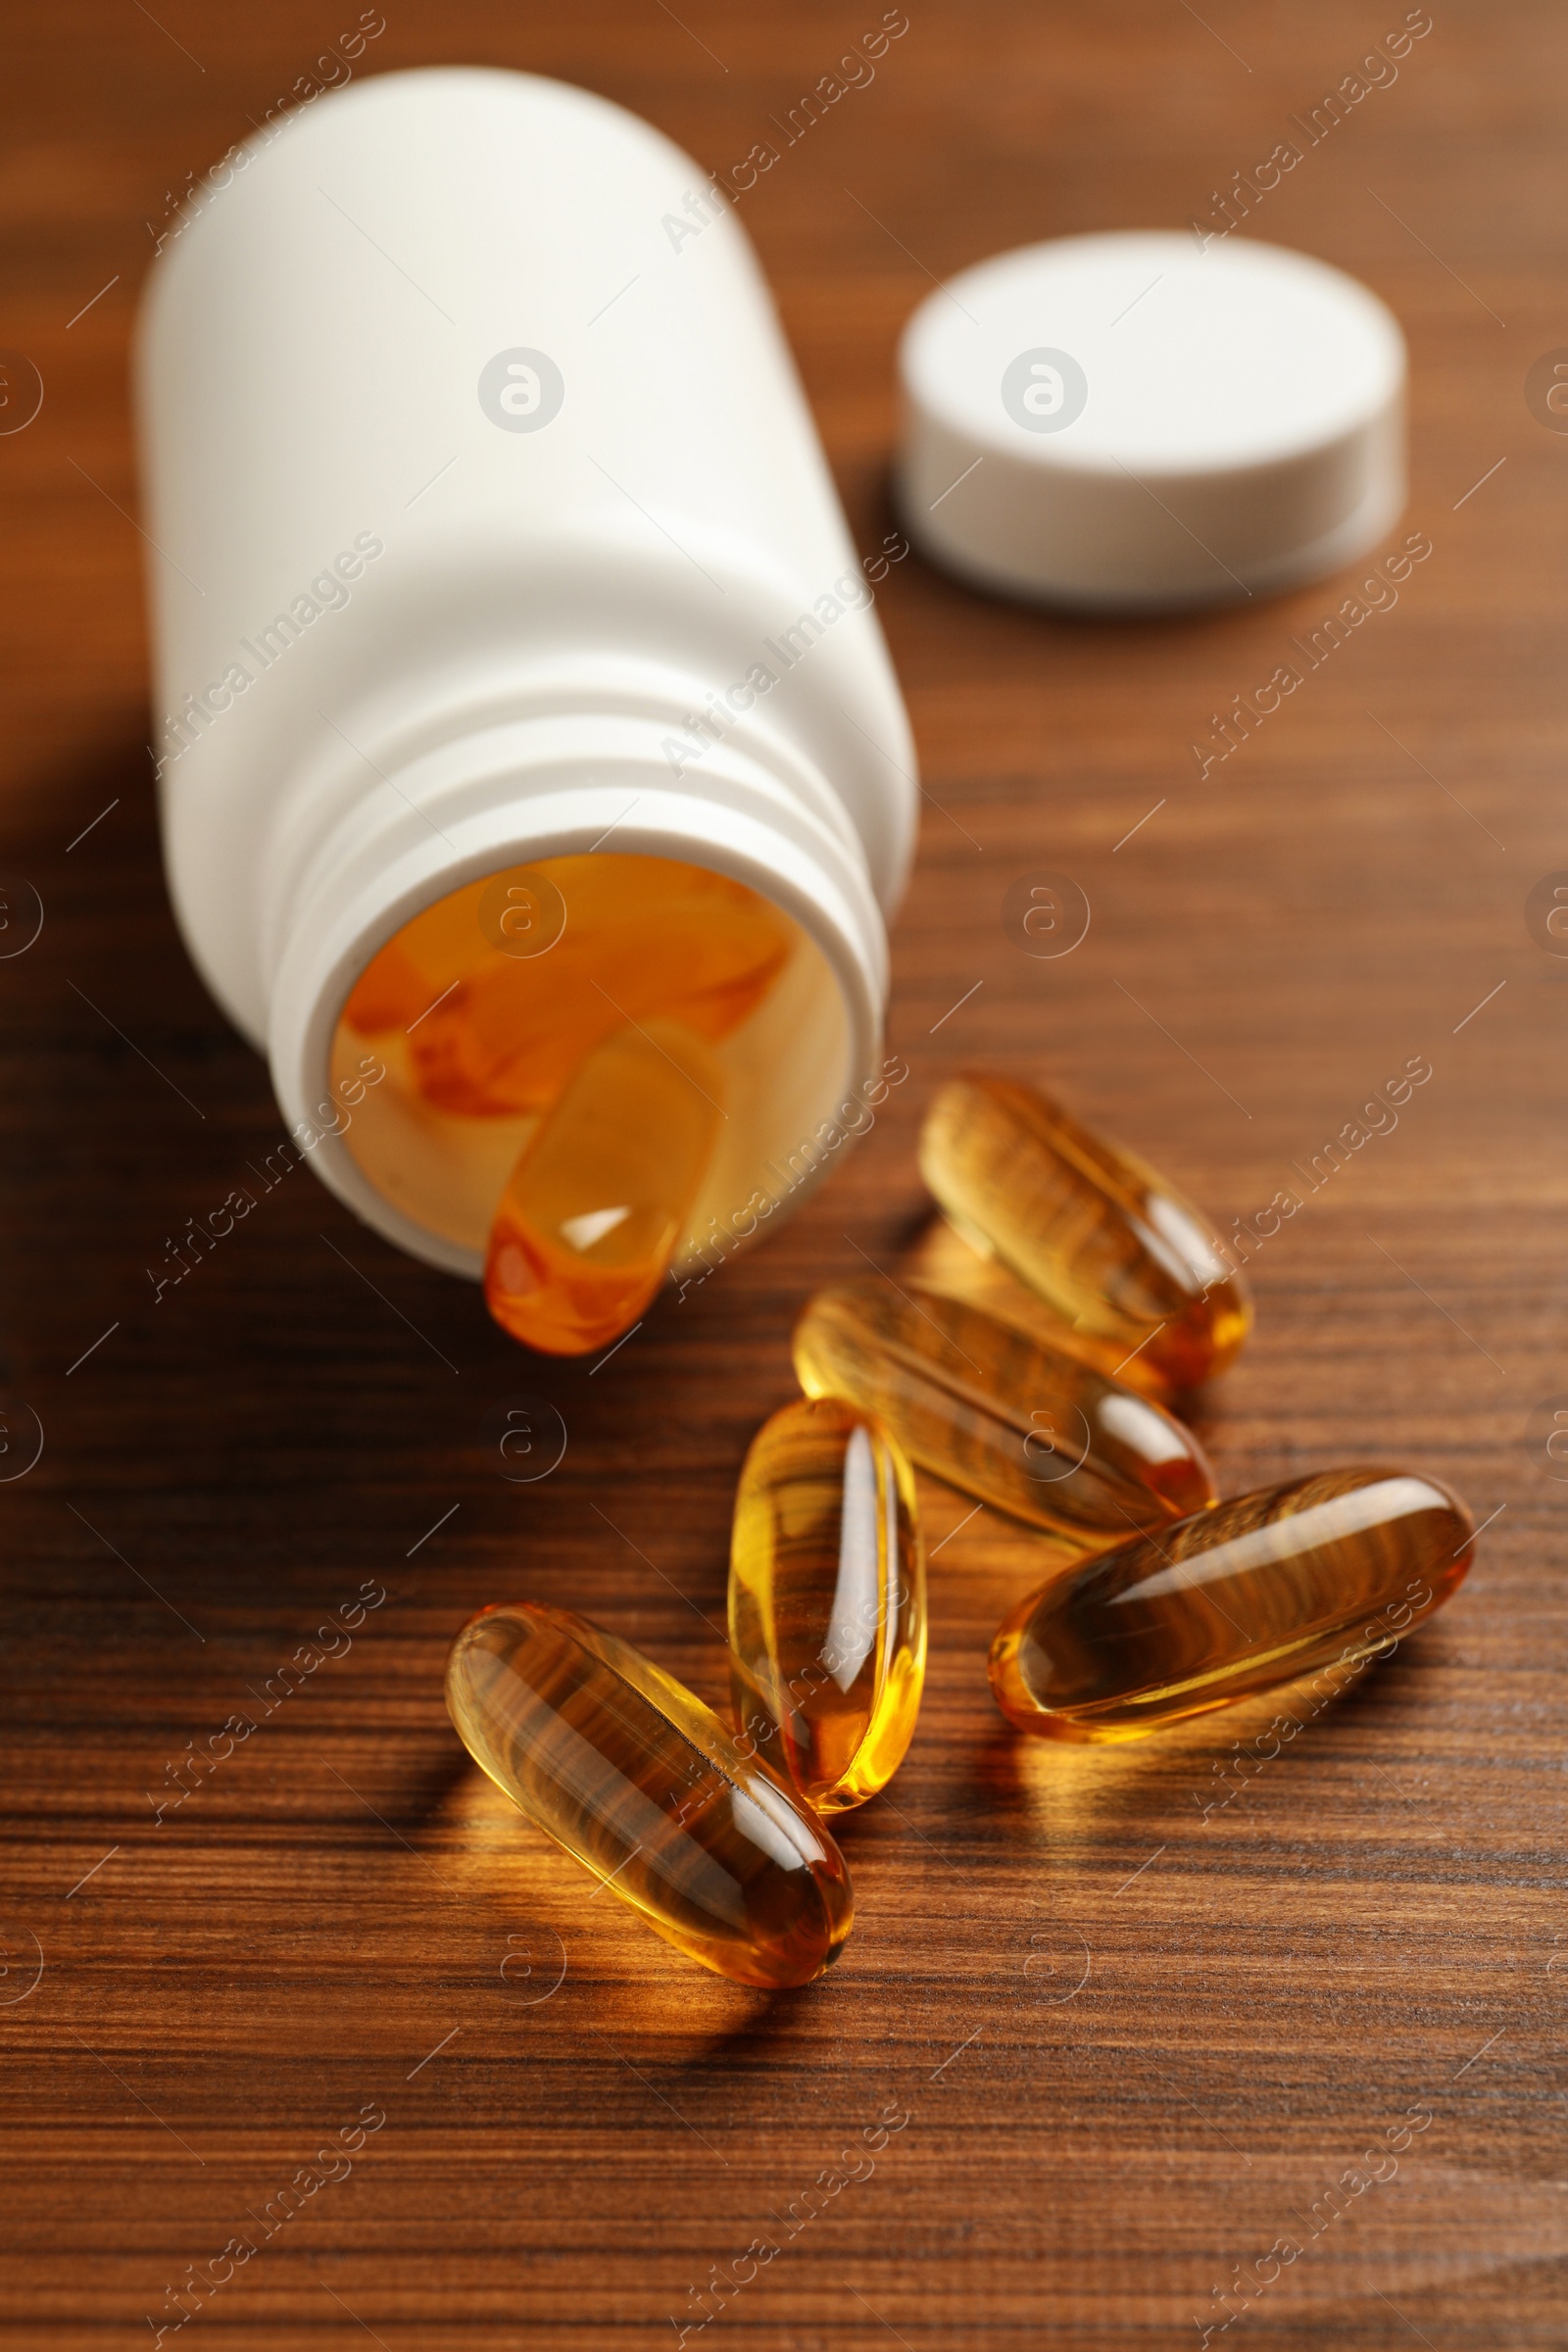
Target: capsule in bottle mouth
<point>586,1072</point>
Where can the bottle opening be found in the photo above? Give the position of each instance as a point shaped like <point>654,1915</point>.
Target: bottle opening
<point>596,1067</point>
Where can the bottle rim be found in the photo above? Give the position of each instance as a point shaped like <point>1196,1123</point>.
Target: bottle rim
<point>494,808</point>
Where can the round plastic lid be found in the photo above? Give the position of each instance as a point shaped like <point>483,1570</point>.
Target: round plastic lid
<point>1131,421</point>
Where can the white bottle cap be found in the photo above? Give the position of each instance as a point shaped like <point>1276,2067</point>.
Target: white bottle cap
<point>1132,423</point>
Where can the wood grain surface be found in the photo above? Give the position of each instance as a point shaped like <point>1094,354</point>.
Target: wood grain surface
<point>1138,2047</point>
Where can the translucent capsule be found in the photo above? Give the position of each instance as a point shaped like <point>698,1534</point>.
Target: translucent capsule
<point>1036,1432</point>
<point>827,1601</point>
<point>420,963</point>
<point>392,991</point>
<point>1320,1574</point>
<point>503,986</point>
<point>645,938</point>
<point>1108,1243</point>
<point>643,1784</point>
<point>593,1210</point>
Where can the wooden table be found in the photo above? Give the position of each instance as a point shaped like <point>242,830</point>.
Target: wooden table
<point>1135,2044</point>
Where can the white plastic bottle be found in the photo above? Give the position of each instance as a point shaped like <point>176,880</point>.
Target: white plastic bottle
<point>491,526</point>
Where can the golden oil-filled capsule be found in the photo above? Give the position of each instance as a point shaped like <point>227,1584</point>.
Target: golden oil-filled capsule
<point>1034,1431</point>
<point>421,963</point>
<point>592,1213</point>
<point>1325,1572</point>
<point>643,937</point>
<point>505,985</point>
<point>644,1786</point>
<point>1104,1240</point>
<point>827,1601</point>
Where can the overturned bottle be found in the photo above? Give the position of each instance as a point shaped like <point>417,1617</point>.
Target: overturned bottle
<point>1334,1568</point>
<point>827,1601</point>
<point>489,756</point>
<point>1108,1244</point>
<point>651,1792</point>
<point>1029,1429</point>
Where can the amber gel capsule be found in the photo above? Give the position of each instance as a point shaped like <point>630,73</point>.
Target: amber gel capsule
<point>1104,1240</point>
<point>827,1601</point>
<point>593,1210</point>
<point>643,1784</point>
<point>1034,1431</point>
<point>1335,1567</point>
<point>420,964</point>
<point>643,937</point>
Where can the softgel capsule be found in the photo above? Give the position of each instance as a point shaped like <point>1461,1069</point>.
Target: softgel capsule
<point>588,1222</point>
<point>827,1601</point>
<point>1109,1245</point>
<point>643,1784</point>
<point>576,1005</point>
<point>1257,1590</point>
<point>1041,1435</point>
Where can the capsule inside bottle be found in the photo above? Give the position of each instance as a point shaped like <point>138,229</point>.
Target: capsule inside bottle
<point>488,1007</point>
<point>1108,1244</point>
<point>650,1792</point>
<point>827,1601</point>
<point>1035,1432</point>
<point>640,939</point>
<point>1319,1574</point>
<point>591,1214</point>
